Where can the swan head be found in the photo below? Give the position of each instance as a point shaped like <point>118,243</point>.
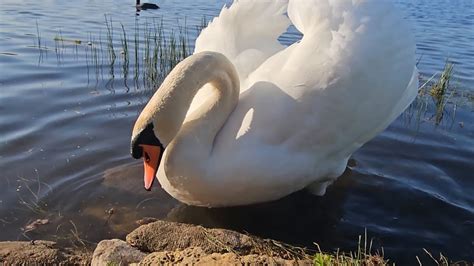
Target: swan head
<point>155,128</point>
<point>146,145</point>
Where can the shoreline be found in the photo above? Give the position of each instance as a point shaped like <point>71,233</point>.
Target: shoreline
<point>162,242</point>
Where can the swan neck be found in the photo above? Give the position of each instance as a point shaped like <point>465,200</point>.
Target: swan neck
<point>190,137</point>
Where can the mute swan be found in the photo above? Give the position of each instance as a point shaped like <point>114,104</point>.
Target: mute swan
<point>246,120</point>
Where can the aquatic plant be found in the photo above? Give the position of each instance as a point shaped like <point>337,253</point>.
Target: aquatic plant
<point>436,98</point>
<point>30,193</point>
<point>439,91</point>
<point>110,39</point>
<point>126,64</point>
<point>154,51</point>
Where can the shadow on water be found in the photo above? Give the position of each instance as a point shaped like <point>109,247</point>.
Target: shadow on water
<point>300,218</point>
<point>111,206</point>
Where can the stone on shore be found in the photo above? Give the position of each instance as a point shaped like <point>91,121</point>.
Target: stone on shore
<point>159,243</point>
<point>171,242</point>
<point>116,252</point>
<point>171,236</point>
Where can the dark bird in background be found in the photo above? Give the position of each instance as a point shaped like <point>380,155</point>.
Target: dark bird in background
<point>145,6</point>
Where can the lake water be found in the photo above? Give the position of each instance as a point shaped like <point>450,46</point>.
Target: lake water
<point>67,109</point>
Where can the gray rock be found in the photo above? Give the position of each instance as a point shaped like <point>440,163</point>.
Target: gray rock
<point>116,251</point>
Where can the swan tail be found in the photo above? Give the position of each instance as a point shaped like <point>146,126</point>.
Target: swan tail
<point>246,33</point>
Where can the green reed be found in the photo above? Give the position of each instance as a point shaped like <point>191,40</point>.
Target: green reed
<point>38,36</point>
<point>436,99</point>
<point>439,91</point>
<point>203,24</point>
<point>150,54</point>
<point>145,52</point>
<point>125,53</point>
<point>110,39</point>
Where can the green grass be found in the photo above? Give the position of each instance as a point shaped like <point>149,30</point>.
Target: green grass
<point>437,99</point>
<point>440,91</point>
<point>364,255</point>
<point>440,87</point>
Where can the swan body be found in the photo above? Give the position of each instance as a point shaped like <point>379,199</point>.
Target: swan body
<point>246,119</point>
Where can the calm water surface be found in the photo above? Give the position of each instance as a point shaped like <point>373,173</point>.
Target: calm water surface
<point>66,114</point>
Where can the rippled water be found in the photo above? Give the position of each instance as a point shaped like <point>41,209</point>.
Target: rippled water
<point>66,117</point>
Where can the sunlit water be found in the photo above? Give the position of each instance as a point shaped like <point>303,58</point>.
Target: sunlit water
<point>66,117</point>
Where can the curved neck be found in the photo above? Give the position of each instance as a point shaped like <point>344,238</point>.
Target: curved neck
<point>189,140</point>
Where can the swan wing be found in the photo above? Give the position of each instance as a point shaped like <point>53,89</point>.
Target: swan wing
<point>246,33</point>
<point>307,108</point>
<point>304,109</point>
<point>352,73</point>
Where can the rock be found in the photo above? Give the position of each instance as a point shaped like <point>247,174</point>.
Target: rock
<point>170,236</point>
<point>169,242</point>
<point>116,251</point>
<point>146,220</point>
<point>196,256</point>
<point>38,252</point>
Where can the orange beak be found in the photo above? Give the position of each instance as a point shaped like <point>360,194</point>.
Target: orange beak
<point>151,161</point>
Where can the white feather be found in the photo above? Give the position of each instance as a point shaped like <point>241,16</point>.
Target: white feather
<point>303,109</point>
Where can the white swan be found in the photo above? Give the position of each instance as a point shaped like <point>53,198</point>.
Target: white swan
<point>247,120</point>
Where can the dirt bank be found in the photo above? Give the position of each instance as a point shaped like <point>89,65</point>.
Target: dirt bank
<point>40,253</point>
<point>162,242</point>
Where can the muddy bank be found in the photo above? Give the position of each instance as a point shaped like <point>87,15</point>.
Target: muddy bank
<point>40,252</point>
<point>162,242</point>
<point>169,242</point>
